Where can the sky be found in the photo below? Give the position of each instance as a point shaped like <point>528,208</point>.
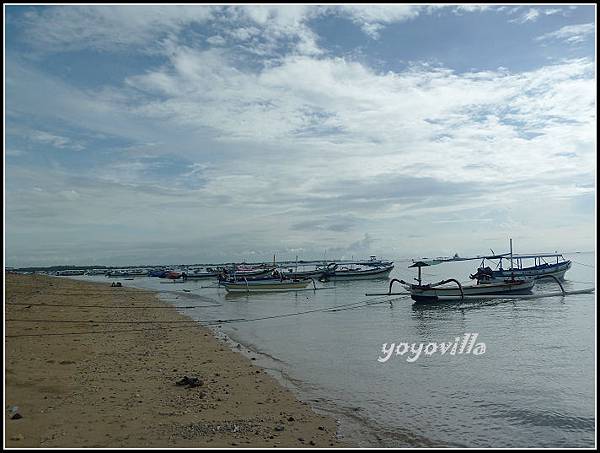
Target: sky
<point>198,134</point>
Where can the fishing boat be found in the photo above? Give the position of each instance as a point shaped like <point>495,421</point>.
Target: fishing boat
<point>300,271</point>
<point>199,275</point>
<point>161,273</point>
<point>373,261</point>
<point>510,265</point>
<point>249,271</point>
<point>429,261</point>
<point>490,289</point>
<point>127,273</point>
<point>173,275</point>
<point>265,285</point>
<point>441,291</point>
<point>315,273</point>
<point>96,271</point>
<point>335,272</point>
<point>70,272</point>
<point>539,268</point>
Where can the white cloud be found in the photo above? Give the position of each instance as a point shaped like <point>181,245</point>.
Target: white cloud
<point>475,8</point>
<point>154,29</point>
<point>530,15</point>
<point>333,102</point>
<point>373,18</point>
<point>55,140</point>
<point>108,28</point>
<point>216,40</point>
<point>572,34</point>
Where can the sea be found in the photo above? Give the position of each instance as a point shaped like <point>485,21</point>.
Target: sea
<point>524,377</point>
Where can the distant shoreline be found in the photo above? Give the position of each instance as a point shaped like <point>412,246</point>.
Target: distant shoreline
<point>144,266</point>
<point>102,378</point>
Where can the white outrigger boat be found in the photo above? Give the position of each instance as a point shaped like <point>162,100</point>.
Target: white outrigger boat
<point>540,268</point>
<point>440,291</point>
<point>521,266</point>
<point>266,285</point>
<point>485,289</point>
<point>336,273</point>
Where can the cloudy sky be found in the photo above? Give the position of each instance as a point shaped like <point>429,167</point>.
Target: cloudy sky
<point>181,134</point>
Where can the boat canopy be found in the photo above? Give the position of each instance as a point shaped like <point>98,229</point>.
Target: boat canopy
<point>535,255</point>
<point>420,264</point>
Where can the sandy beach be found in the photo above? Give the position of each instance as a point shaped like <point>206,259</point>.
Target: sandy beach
<point>105,376</point>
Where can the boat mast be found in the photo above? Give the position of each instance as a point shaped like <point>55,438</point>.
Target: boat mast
<point>511,260</point>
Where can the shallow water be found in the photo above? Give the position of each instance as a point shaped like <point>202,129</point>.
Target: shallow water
<point>532,387</point>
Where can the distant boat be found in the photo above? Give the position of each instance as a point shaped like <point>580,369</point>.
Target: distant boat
<point>161,273</point>
<point>315,273</point>
<point>199,275</point>
<point>96,271</point>
<point>248,271</point>
<point>336,273</point>
<point>429,261</point>
<point>70,272</point>
<point>267,285</point>
<point>127,273</point>
<point>173,275</point>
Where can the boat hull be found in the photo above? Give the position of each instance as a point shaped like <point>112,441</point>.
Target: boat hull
<point>429,295</point>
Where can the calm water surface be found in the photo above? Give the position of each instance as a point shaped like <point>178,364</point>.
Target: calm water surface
<point>533,386</point>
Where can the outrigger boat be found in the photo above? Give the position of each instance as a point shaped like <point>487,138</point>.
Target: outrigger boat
<point>315,273</point>
<point>371,268</point>
<point>440,291</point>
<point>434,292</point>
<point>509,288</point>
<point>518,269</point>
<point>336,273</point>
<point>199,275</point>
<point>248,271</point>
<point>266,285</point>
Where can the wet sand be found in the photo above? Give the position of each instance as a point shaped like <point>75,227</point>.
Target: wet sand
<point>109,378</point>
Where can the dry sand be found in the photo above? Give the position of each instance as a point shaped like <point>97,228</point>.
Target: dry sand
<point>118,389</point>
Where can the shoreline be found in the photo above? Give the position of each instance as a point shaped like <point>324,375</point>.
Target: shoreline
<point>105,376</point>
<point>348,420</point>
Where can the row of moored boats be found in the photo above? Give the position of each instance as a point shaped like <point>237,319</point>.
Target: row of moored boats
<point>497,274</point>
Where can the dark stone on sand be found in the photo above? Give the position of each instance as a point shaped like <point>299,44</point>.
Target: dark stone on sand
<point>13,413</point>
<point>190,382</point>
